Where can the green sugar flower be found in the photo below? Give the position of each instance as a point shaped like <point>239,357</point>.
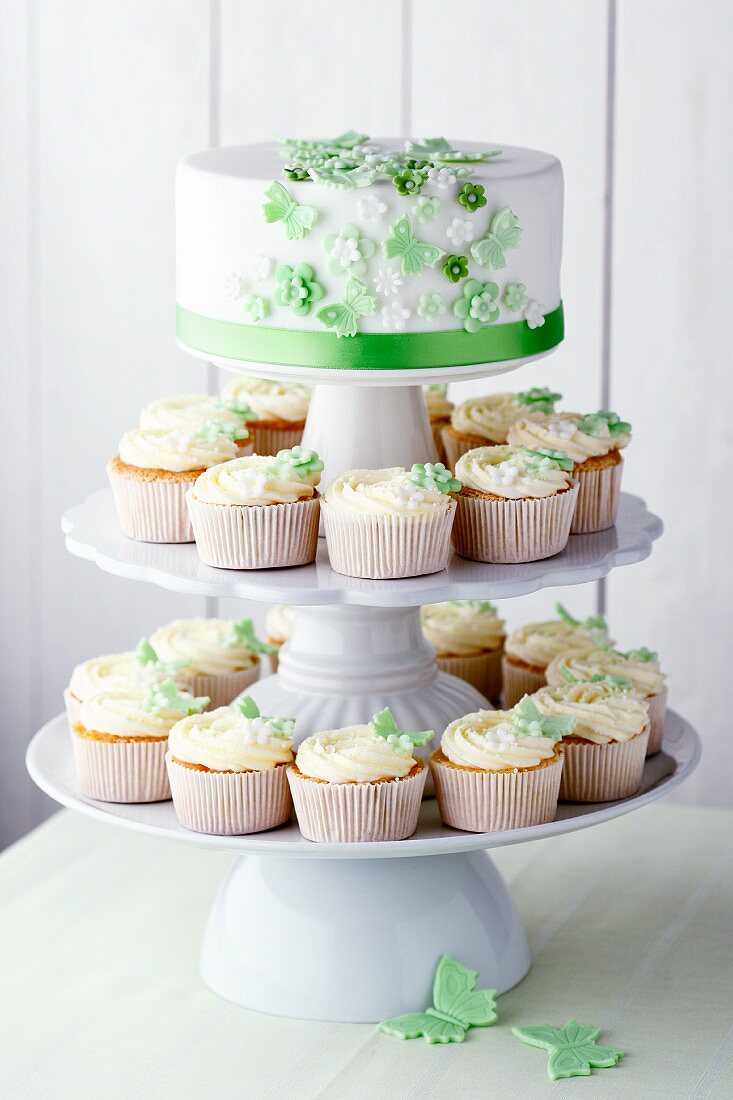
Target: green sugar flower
<point>166,696</point>
<point>297,461</point>
<point>539,399</point>
<point>528,722</point>
<point>434,475</point>
<point>242,633</point>
<point>238,406</point>
<point>545,458</point>
<point>455,268</point>
<point>643,655</point>
<point>297,288</point>
<point>295,172</point>
<point>255,306</point>
<point>477,307</point>
<point>384,725</point>
<point>430,306</point>
<point>592,623</point>
<point>472,196</point>
<point>211,430</point>
<point>426,208</point>
<point>348,252</point>
<point>594,423</point>
<point>278,727</point>
<point>515,297</point>
<point>408,182</point>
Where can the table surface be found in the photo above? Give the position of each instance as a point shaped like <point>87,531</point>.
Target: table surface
<point>630,924</point>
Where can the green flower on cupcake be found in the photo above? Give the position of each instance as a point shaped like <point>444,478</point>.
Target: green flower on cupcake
<point>297,461</point>
<point>434,475</point>
<point>384,725</point>
<point>528,722</point>
<point>166,697</point>
<point>595,423</point>
<point>477,307</point>
<point>546,458</point>
<point>348,252</point>
<point>242,633</point>
<point>297,288</point>
<point>455,268</point>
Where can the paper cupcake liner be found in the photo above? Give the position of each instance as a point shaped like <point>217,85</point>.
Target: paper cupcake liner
<point>518,681</point>
<point>482,671</point>
<point>657,711</point>
<point>267,536</point>
<point>222,689</point>
<point>152,511</point>
<point>487,802</point>
<point>436,427</point>
<point>274,658</point>
<point>72,706</point>
<point>603,773</point>
<point>268,441</point>
<point>598,499</point>
<point>385,547</point>
<point>121,771</point>
<point>513,531</point>
<point>229,803</point>
<point>354,812</point>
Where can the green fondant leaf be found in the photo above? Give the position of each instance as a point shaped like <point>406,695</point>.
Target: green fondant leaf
<point>145,654</point>
<point>529,722</point>
<point>413,255</point>
<point>247,707</point>
<point>242,633</point>
<point>384,725</point>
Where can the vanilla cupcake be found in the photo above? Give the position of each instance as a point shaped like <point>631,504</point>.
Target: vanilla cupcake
<point>190,411</point>
<point>390,523</point>
<point>281,409</point>
<point>222,657</point>
<point>468,637</point>
<point>259,512</point>
<point>529,650</point>
<point>155,468</point>
<point>594,443</point>
<point>120,742</point>
<point>515,505</point>
<point>604,753</point>
<point>279,627</point>
<point>485,421</point>
<point>636,671</point>
<point>499,769</point>
<point>227,770</point>
<point>359,783</point>
<point>439,413</point>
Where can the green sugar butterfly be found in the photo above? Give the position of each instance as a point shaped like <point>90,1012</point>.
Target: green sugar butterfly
<point>457,1006</point>
<point>413,255</point>
<point>344,316</point>
<point>573,1049</point>
<point>282,207</point>
<point>503,233</point>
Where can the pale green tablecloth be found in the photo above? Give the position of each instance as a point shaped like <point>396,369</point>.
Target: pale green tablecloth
<point>631,925</point>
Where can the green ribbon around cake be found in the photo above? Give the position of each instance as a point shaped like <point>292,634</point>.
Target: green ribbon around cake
<point>366,350</point>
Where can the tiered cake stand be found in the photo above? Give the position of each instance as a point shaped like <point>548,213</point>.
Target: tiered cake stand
<point>351,932</point>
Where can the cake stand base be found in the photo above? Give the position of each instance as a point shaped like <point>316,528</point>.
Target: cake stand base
<point>357,941</point>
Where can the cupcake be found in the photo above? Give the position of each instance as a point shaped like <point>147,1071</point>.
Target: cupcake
<point>259,512</point>
<point>604,753</point>
<point>485,421</point>
<point>227,770</point>
<point>530,649</point>
<point>223,657</point>
<point>153,471</point>
<point>359,783</point>
<point>516,505</point>
<point>637,672</point>
<point>594,443</point>
<point>499,769</point>
<point>280,407</point>
<point>192,410</point>
<point>120,742</point>
<point>468,637</point>
<point>390,523</point>
<point>439,413</point>
<point>279,627</point>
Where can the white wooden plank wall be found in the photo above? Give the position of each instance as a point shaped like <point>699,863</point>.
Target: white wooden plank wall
<point>100,98</point>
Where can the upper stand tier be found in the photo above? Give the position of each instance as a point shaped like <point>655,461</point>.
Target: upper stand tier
<point>385,262</point>
<point>93,532</point>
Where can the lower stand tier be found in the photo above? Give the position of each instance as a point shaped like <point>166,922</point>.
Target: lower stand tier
<point>358,940</point>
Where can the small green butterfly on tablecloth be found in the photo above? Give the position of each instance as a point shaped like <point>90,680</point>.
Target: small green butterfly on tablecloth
<point>504,233</point>
<point>573,1049</point>
<point>457,1006</point>
<point>413,255</point>
<point>282,207</point>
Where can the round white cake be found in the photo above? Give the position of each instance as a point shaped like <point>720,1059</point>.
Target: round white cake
<point>362,255</point>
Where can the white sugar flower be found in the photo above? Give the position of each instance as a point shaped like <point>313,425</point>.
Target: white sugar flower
<point>430,306</point>
<point>370,208</point>
<point>250,481</point>
<point>394,315</point>
<point>235,285</point>
<point>459,231</point>
<point>562,428</point>
<point>387,280</point>
<point>501,737</point>
<point>177,441</point>
<point>503,474</point>
<point>409,495</point>
<point>369,148</point>
<point>261,267</point>
<point>441,177</point>
<point>534,314</point>
<point>345,251</point>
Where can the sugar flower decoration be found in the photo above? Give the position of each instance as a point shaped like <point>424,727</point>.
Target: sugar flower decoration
<point>472,197</point>
<point>459,231</point>
<point>297,288</point>
<point>370,208</point>
<point>528,722</point>
<point>434,475</point>
<point>263,727</point>
<point>250,481</point>
<point>455,268</point>
<point>395,314</point>
<point>477,306</point>
<point>384,725</point>
<point>297,462</point>
<point>348,251</point>
<point>166,697</point>
<point>235,285</point>
<point>426,208</point>
<point>387,281</point>
<point>242,633</point>
<point>409,495</point>
<point>430,306</point>
<point>261,267</point>
<point>408,182</point>
<point>255,307</point>
<point>534,314</point>
<point>441,177</point>
<point>515,297</point>
<point>505,473</point>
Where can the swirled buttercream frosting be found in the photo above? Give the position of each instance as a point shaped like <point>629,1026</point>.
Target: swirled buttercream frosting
<point>124,714</point>
<point>385,492</point>
<point>462,627</point>
<point>110,672</point>
<point>562,431</point>
<point>513,473</point>
<point>355,754</point>
<point>644,677</point>
<point>539,643</point>
<point>489,740</point>
<point>603,713</point>
<point>176,450</point>
<point>279,622</point>
<point>188,411</point>
<point>436,399</point>
<point>211,646</point>
<point>489,417</point>
<point>223,740</point>
<point>254,480</point>
<point>271,400</point>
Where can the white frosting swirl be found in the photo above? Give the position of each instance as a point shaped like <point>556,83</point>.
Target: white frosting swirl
<point>110,672</point>
<point>644,675</point>
<point>487,740</point>
<point>439,407</point>
<point>355,754</point>
<point>254,480</point>
<point>223,740</point>
<point>461,627</point>
<point>271,400</point>
<point>508,472</point>
<point>208,644</point>
<point>173,449</point>
<point>187,411</point>
<point>122,714</point>
<point>279,623</point>
<point>603,714</point>
<point>539,643</point>
<point>560,431</point>
<point>489,417</point>
<point>385,492</point>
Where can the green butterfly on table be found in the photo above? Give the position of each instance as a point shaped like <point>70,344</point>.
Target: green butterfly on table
<point>344,317</point>
<point>573,1049</point>
<point>282,207</point>
<point>413,255</point>
<point>456,1007</point>
<point>503,233</point>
